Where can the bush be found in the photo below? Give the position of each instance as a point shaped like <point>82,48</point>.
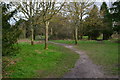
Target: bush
<point>9,40</point>
<point>10,33</point>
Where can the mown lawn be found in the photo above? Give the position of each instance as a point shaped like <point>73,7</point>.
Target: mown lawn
<point>35,62</point>
<point>103,53</point>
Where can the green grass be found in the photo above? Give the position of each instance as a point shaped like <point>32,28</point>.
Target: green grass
<point>102,53</point>
<point>34,61</point>
<point>85,37</point>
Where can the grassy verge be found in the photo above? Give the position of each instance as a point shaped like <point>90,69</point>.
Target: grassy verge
<point>102,53</point>
<point>34,61</point>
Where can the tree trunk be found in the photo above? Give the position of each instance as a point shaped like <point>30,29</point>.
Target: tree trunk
<point>76,35</point>
<point>32,36</point>
<point>105,36</point>
<point>46,35</point>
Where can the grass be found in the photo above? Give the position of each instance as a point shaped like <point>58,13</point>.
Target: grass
<point>35,62</point>
<point>102,53</point>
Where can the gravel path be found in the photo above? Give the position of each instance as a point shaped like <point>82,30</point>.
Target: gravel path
<point>84,67</point>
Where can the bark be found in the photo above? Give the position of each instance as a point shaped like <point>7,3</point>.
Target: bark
<point>46,35</point>
<point>76,35</point>
<point>34,36</point>
<point>105,36</point>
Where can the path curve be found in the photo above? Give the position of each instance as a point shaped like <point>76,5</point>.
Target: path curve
<point>84,67</point>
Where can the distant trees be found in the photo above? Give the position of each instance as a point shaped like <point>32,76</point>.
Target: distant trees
<point>100,22</point>
<point>61,27</point>
<point>75,20</point>
<point>96,23</point>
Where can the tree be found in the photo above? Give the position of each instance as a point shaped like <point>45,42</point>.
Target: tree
<point>77,10</point>
<point>10,33</point>
<point>93,23</point>
<point>49,9</point>
<point>29,9</point>
<point>115,15</point>
<point>84,8</point>
<point>107,29</point>
<point>39,11</point>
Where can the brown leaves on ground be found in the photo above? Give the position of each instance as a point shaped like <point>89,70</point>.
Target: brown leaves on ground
<point>6,62</point>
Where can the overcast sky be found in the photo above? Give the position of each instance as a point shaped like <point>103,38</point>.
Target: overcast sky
<point>98,3</point>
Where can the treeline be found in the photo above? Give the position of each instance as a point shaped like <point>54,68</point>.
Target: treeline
<point>54,20</point>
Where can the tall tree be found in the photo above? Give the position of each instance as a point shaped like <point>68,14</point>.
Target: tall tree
<point>77,11</point>
<point>9,33</point>
<point>107,30</point>
<point>30,8</point>
<point>115,15</point>
<point>49,9</point>
<point>93,23</point>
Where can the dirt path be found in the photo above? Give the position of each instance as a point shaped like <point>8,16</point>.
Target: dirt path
<point>84,68</point>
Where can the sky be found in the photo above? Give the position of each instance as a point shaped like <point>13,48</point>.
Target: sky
<point>61,0</point>
<point>98,3</point>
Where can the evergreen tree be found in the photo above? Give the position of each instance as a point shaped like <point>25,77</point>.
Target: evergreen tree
<point>93,23</point>
<point>116,15</point>
<point>107,22</point>
<point>9,33</point>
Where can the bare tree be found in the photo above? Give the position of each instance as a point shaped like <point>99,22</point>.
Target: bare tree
<point>30,8</point>
<point>49,9</point>
<point>77,10</point>
<point>40,12</point>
